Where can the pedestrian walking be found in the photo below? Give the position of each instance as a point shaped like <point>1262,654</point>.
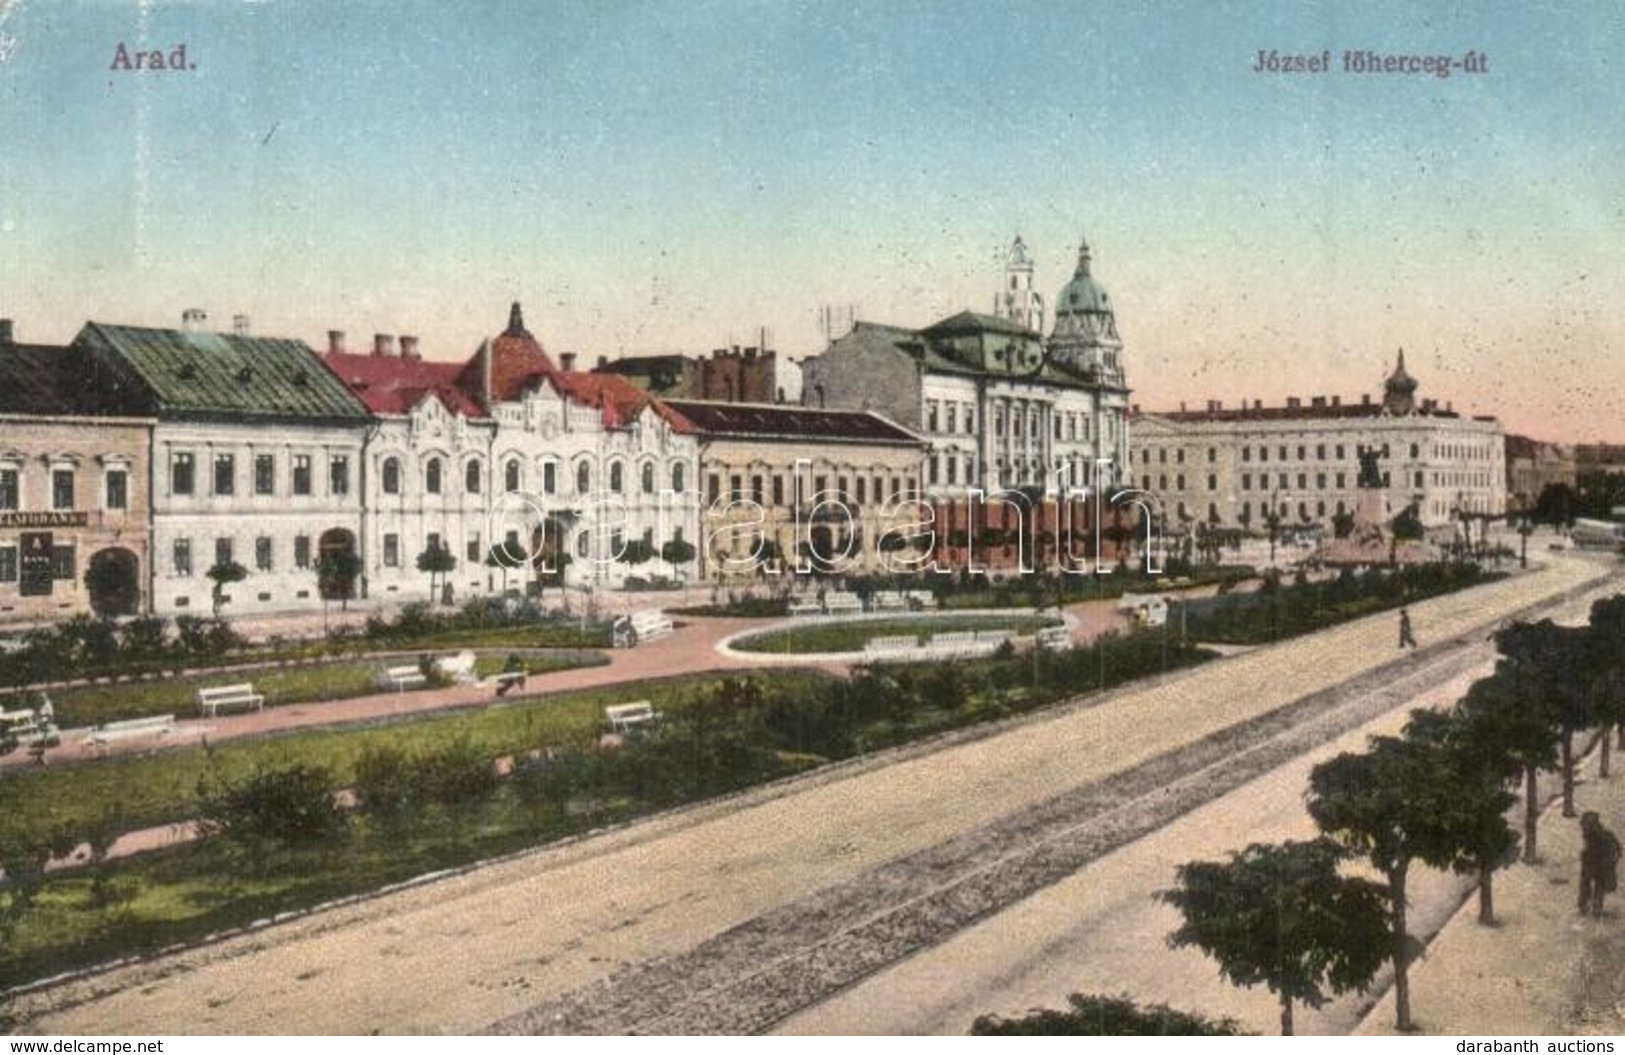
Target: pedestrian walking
<point>1406,638</point>
<point>1599,863</point>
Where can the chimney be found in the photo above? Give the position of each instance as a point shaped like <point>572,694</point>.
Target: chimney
<point>335,342</point>
<point>383,344</point>
<point>192,320</point>
<point>603,361</point>
<point>1293,402</point>
<point>1182,406</point>
<point>5,332</point>
<point>1337,401</point>
<point>1365,399</point>
<point>409,347</point>
<point>1258,404</point>
<point>567,362</point>
<point>1317,401</point>
<point>239,325</point>
<point>1213,406</point>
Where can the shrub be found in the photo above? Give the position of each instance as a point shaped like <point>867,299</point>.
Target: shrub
<point>384,782</point>
<point>270,807</point>
<point>1102,1016</point>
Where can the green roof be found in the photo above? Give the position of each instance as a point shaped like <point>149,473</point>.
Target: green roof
<point>224,375</point>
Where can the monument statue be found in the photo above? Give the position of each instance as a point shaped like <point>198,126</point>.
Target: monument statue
<point>1370,475</point>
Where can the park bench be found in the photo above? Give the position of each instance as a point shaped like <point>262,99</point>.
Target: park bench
<point>961,644</point>
<point>627,717</point>
<point>230,697</point>
<point>842,601</point>
<point>651,624</point>
<point>402,678</point>
<point>992,637</point>
<point>27,728</point>
<point>890,647</point>
<point>804,607</point>
<point>888,601</point>
<point>1053,638</point>
<point>130,729</point>
<point>508,679</point>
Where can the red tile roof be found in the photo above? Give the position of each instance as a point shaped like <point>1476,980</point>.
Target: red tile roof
<point>389,384</point>
<point>618,398</point>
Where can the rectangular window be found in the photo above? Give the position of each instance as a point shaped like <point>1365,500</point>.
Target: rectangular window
<point>63,565</point>
<point>262,553</point>
<point>1246,454</point>
<point>931,415</point>
<point>778,490</point>
<point>301,474</point>
<point>8,563</point>
<point>225,474</point>
<point>182,468</point>
<point>433,542</point>
<point>1263,453</point>
<point>1320,451</point>
<point>1339,452</point>
<point>863,489</point>
<point>392,551</point>
<point>118,489</point>
<point>182,558</point>
<point>953,417</point>
<point>301,552</point>
<point>736,486</point>
<point>8,489</point>
<point>222,551</point>
<point>1246,481</point>
<point>1303,481</point>
<point>264,474</point>
<point>550,477</point>
<point>338,475</point>
<point>1212,482</point>
<point>713,488</point>
<point>970,419</point>
<point>61,488</point>
<point>473,549</point>
<point>1340,480</point>
<point>1320,481</point>
<point>758,492</point>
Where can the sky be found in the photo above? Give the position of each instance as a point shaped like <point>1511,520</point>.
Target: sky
<point>654,177</point>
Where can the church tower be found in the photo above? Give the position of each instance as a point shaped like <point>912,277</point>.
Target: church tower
<point>1018,301</point>
<point>1085,337</point>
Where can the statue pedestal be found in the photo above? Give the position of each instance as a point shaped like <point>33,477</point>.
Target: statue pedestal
<point>1369,541</point>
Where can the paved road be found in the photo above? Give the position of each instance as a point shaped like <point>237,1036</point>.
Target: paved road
<point>558,932</point>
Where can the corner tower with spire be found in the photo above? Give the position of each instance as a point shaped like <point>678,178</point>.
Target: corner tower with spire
<point>1018,301</point>
<point>1085,335</point>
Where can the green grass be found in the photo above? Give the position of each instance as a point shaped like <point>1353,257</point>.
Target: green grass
<point>160,788</point>
<point>850,636</point>
<point>86,705</point>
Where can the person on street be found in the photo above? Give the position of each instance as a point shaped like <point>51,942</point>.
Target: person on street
<point>1406,638</point>
<point>1599,863</point>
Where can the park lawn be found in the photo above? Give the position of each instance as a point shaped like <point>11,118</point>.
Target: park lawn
<point>161,788</point>
<point>86,705</point>
<point>850,636</point>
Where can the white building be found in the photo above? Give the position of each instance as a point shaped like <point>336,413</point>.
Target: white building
<point>256,460</point>
<point>1232,465</point>
<point>1000,407</point>
<point>506,450</point>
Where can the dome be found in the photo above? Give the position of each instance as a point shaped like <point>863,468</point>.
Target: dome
<point>1083,293</point>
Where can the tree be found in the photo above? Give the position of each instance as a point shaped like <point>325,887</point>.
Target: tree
<point>1407,525</point>
<point>1505,709</point>
<point>499,557</point>
<point>1605,667</point>
<point>1480,768</point>
<point>1104,1016</point>
<point>223,573</point>
<point>1281,916</point>
<point>437,561</point>
<point>1555,505</point>
<point>1550,662</point>
<point>1391,806</point>
<point>677,550</point>
<point>336,573</point>
<point>636,551</point>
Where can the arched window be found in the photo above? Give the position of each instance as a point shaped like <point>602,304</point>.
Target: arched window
<point>583,478</point>
<point>431,476</point>
<point>615,477</point>
<point>1414,450</point>
<point>581,544</point>
<point>677,477</point>
<point>510,475</point>
<point>471,477</point>
<point>392,476</point>
<point>648,478</point>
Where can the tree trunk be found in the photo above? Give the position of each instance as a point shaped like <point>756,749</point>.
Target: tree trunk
<point>1531,815</point>
<point>1286,1015</point>
<point>1620,732</point>
<point>1486,893</point>
<point>1568,772</point>
<point>1402,982</point>
<point>1602,764</point>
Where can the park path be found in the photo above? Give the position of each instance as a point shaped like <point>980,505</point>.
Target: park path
<point>556,926</point>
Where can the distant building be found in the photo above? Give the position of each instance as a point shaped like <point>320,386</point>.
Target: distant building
<point>73,491</point>
<point>729,375</point>
<point>256,460</point>
<point>1232,465</point>
<point>1533,466</point>
<point>1000,406</point>
<point>812,482</point>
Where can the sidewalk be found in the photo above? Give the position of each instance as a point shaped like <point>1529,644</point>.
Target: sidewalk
<point>689,650</point>
<point>1544,969</point>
